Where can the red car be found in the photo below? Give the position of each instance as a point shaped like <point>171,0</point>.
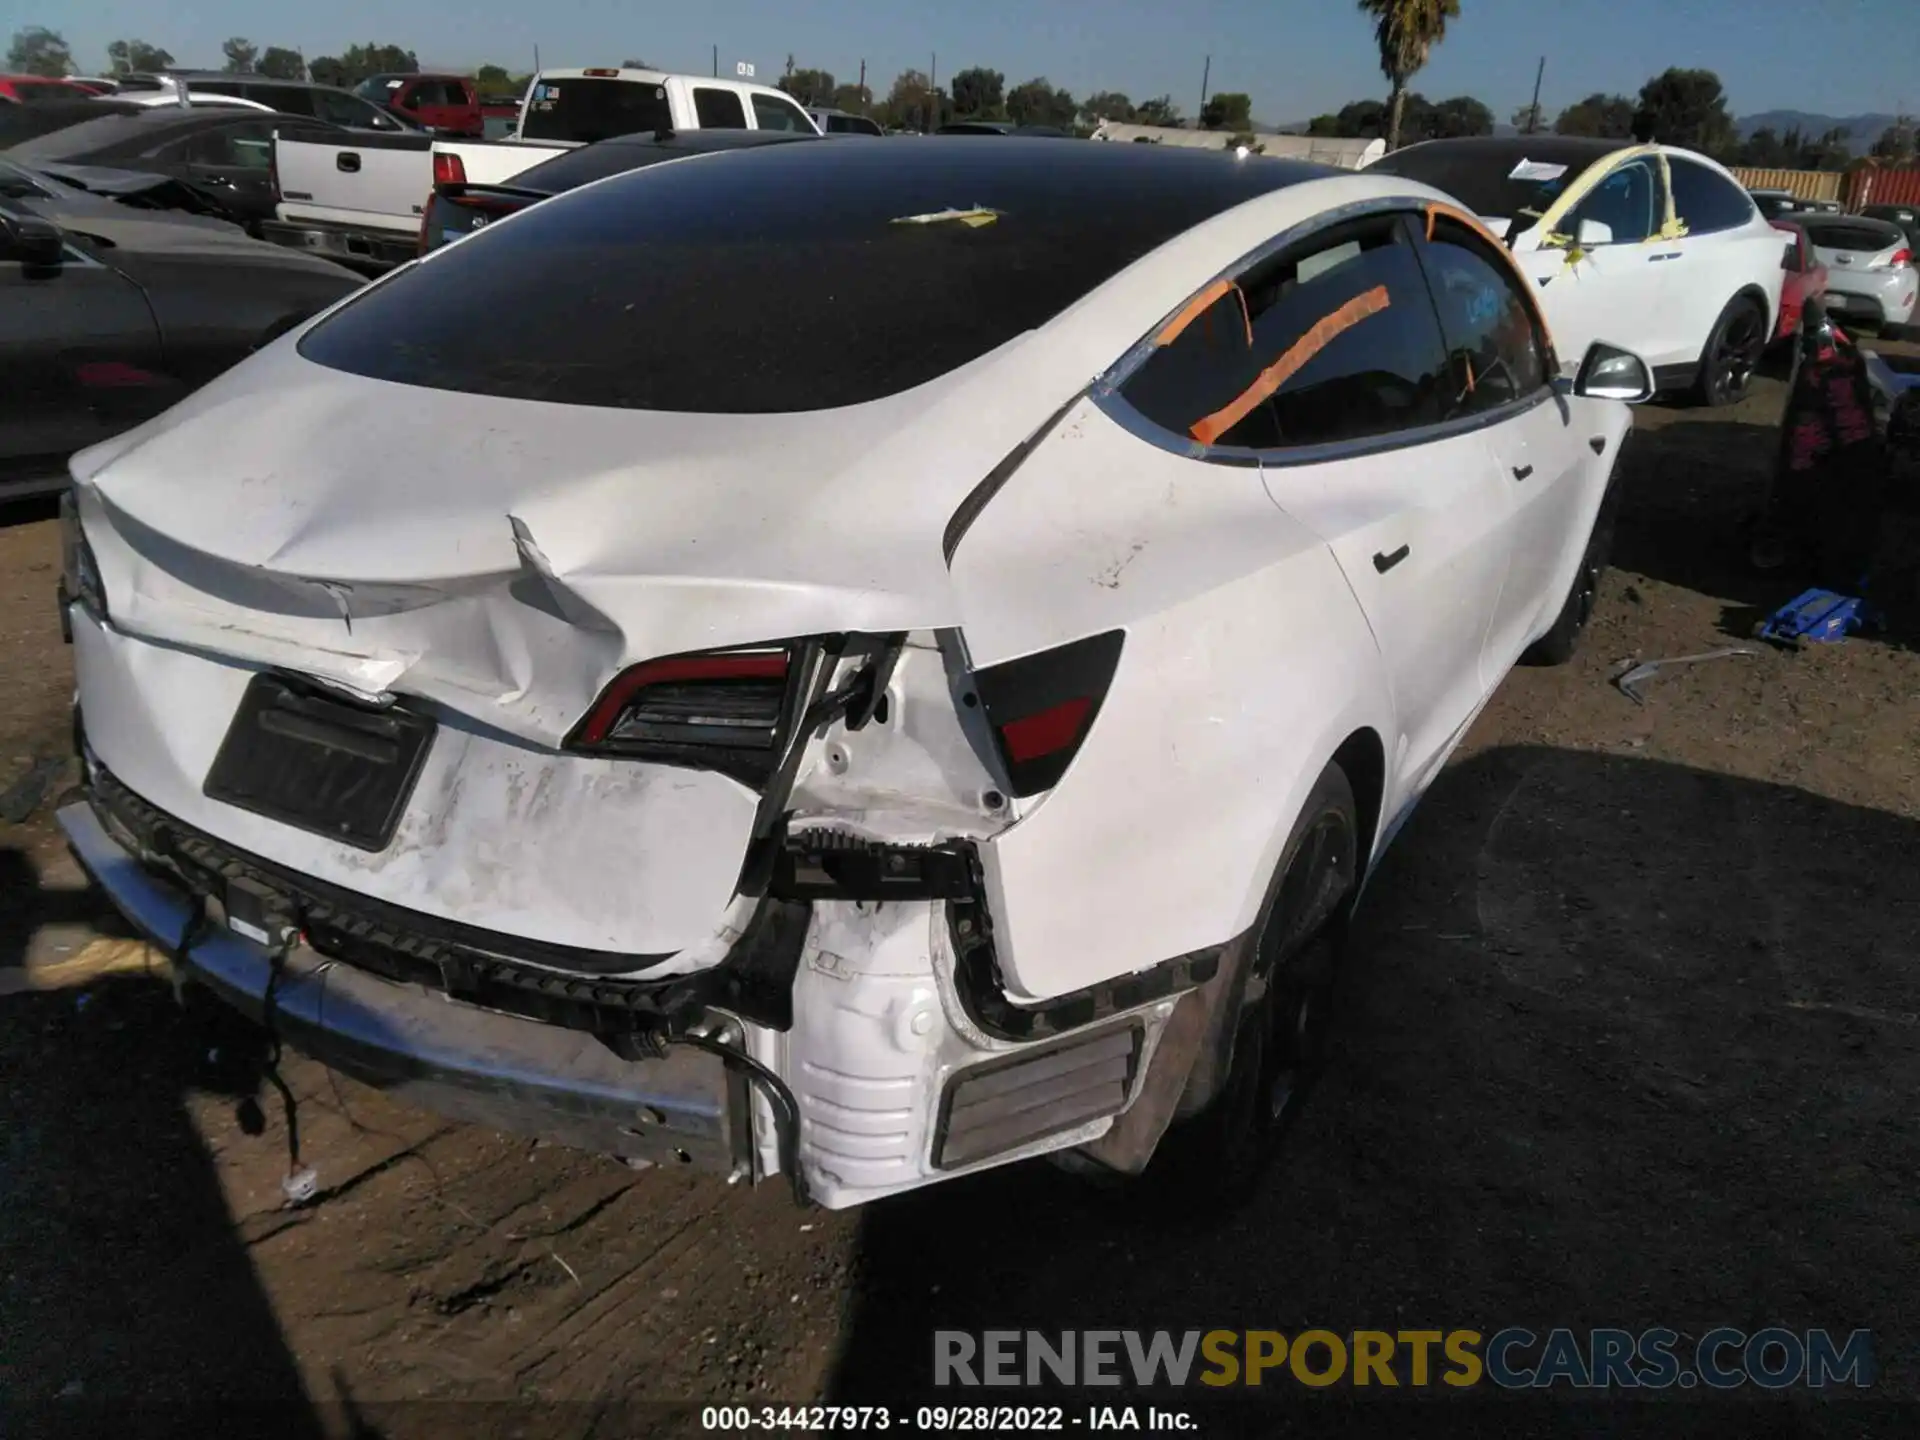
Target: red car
<point>447,103</point>
<point>1806,276</point>
<point>27,89</point>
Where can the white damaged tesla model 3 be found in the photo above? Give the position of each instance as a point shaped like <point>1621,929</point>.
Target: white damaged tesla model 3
<point>835,662</point>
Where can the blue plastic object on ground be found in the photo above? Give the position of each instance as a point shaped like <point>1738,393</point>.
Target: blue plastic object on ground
<point>1819,615</point>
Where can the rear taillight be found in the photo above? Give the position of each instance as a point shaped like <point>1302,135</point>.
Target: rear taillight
<point>448,169</point>
<point>426,224</point>
<point>722,710</point>
<point>1901,257</point>
<point>1042,707</point>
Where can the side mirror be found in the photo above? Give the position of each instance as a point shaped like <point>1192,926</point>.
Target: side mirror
<point>1593,232</point>
<point>1610,373</point>
<point>34,242</point>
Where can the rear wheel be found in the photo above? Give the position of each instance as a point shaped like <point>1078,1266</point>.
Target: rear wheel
<point>1733,350</point>
<point>1280,1041</point>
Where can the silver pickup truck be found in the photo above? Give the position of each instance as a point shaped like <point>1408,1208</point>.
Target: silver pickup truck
<point>361,203</point>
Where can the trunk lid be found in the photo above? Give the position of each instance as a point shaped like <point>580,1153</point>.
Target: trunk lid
<point>508,557</point>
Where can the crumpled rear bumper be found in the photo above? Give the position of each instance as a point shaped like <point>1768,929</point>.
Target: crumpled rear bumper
<point>442,1054</point>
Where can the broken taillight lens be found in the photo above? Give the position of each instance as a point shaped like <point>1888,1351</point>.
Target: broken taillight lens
<point>720,710</point>
<point>1043,706</point>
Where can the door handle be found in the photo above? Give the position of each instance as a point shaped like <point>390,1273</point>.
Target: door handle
<point>1384,562</point>
<point>1521,472</point>
<point>346,160</point>
<point>1669,255</point>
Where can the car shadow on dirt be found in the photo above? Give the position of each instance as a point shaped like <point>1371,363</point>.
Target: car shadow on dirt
<point>1693,488</point>
<point>130,1301</point>
<point>1633,1044</point>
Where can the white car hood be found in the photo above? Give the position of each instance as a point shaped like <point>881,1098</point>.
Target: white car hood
<point>509,556</point>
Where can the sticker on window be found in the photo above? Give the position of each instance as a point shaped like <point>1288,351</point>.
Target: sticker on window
<point>1537,170</point>
<point>395,84</point>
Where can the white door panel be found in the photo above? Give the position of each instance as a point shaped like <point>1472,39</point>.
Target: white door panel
<point>1611,292</point>
<point>1545,458</point>
<point>1420,534</point>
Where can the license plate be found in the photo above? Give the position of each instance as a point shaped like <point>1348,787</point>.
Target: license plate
<point>320,764</point>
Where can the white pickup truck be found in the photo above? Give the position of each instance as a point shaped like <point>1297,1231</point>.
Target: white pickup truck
<point>361,203</point>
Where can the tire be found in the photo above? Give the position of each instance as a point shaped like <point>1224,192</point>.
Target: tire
<point>1560,643</point>
<point>1732,352</point>
<point>1217,1158</point>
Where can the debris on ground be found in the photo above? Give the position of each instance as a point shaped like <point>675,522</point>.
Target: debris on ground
<point>1628,681</point>
<point>301,1186</point>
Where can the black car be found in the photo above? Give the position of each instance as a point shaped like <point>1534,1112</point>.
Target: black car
<point>287,97</point>
<point>455,210</point>
<point>24,122</point>
<point>1004,127</point>
<point>109,314</point>
<point>227,153</point>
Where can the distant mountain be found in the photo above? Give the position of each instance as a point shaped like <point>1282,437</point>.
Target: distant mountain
<point>1862,130</point>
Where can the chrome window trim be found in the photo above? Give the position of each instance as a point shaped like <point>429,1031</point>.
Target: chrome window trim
<point>1106,397</point>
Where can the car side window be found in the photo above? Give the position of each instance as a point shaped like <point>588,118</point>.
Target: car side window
<point>1627,202</point>
<point>718,109</point>
<point>247,147</point>
<point>348,110</point>
<point>772,114</point>
<point>1495,349</point>
<point>1334,339</point>
<point>1705,202</point>
<point>288,99</point>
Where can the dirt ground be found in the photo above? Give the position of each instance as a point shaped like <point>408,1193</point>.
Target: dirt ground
<point>1636,1041</point>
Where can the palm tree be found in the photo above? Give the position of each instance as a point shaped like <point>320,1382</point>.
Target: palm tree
<point>1406,31</point>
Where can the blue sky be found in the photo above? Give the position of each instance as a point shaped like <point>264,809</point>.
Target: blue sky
<point>1295,57</point>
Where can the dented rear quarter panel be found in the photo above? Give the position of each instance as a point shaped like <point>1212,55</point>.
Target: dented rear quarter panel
<point>1246,663</point>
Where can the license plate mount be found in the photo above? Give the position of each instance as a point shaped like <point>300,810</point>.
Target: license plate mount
<point>306,759</point>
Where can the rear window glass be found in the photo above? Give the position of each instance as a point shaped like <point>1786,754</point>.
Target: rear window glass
<point>1864,235</point>
<point>787,277</point>
<point>30,92</point>
<point>718,109</point>
<point>589,110</point>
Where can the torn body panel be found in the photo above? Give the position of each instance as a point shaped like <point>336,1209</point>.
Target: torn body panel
<point>1195,562</point>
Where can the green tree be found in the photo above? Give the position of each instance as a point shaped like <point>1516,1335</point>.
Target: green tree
<point>1362,120</point>
<point>1106,105</point>
<point>277,62</point>
<point>1529,119</point>
<point>1609,117</point>
<point>1896,142</point>
<point>979,94</point>
<point>37,50</point>
<point>854,99</point>
<point>241,55</point>
<point>492,78</point>
<point>125,56</point>
<point>329,70</point>
<point>1039,102</point>
<point>1227,110</point>
<point>1324,125</point>
<point>363,61</point>
<point>1686,108</point>
<point>635,65</point>
<point>1406,32</point>
<point>912,103</point>
<point>1765,150</point>
<point>1461,115</point>
<point>1160,110</point>
<point>809,87</point>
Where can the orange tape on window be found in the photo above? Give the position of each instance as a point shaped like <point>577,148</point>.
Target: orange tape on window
<point>1198,306</point>
<point>1324,332</point>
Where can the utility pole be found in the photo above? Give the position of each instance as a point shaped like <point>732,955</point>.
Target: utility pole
<point>864,106</point>
<point>1206,75</point>
<point>716,61</point>
<point>1533,110</point>
<point>933,92</point>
